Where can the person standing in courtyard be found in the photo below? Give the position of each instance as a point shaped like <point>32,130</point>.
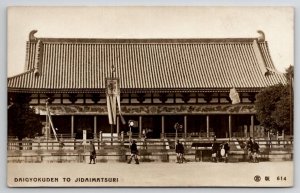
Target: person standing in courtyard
<point>255,151</point>
<point>134,153</point>
<point>249,147</point>
<point>215,151</point>
<point>92,153</point>
<point>179,149</point>
<point>225,151</point>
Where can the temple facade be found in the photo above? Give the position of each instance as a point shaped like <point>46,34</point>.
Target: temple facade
<point>162,82</point>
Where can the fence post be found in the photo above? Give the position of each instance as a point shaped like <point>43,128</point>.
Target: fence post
<point>39,144</point>
<point>100,136</point>
<point>269,139</point>
<point>122,136</point>
<point>74,146</point>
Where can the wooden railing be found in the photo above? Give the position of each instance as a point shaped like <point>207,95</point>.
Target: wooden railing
<point>126,135</point>
<point>75,150</point>
<point>74,144</point>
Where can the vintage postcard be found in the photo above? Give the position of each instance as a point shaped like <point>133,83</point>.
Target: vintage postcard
<point>150,97</point>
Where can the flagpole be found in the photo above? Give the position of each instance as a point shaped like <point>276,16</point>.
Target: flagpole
<point>47,122</point>
<point>50,120</point>
<point>113,99</point>
<point>112,125</point>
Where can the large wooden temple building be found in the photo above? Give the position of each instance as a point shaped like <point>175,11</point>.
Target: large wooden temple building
<point>162,82</point>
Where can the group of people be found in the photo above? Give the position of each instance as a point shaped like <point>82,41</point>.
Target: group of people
<point>133,149</point>
<point>179,149</point>
<point>253,150</point>
<point>220,151</point>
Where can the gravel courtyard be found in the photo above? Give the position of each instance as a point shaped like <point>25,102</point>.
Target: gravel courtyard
<point>191,174</point>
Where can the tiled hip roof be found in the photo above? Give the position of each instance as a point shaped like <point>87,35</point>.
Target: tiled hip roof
<point>69,66</point>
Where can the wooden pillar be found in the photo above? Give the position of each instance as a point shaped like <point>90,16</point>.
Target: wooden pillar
<point>252,126</point>
<point>140,126</point>
<point>72,125</point>
<point>100,136</point>
<point>162,126</point>
<point>118,125</point>
<point>185,125</point>
<point>207,125</point>
<point>95,126</point>
<point>47,127</point>
<point>229,126</point>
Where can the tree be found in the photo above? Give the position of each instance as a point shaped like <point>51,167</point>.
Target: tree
<point>290,82</point>
<point>23,121</point>
<point>289,74</point>
<point>274,106</point>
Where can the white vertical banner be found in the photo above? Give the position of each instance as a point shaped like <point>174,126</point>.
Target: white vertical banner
<point>112,91</point>
<point>119,106</point>
<point>234,96</point>
<point>111,109</point>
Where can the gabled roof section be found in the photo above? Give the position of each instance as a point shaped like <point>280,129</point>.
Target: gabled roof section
<point>146,65</point>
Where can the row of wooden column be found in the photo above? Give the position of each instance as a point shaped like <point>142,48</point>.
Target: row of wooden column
<point>163,125</point>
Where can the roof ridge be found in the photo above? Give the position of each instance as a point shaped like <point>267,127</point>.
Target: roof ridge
<point>260,38</point>
<point>147,40</point>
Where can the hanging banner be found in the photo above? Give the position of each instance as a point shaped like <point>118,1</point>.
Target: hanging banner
<point>112,91</point>
<point>120,112</point>
<point>234,96</point>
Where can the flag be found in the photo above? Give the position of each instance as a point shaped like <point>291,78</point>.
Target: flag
<point>119,106</point>
<point>111,109</point>
<point>112,93</point>
<point>113,98</point>
<point>234,96</point>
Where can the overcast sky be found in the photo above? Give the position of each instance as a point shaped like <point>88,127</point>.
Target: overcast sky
<point>151,22</point>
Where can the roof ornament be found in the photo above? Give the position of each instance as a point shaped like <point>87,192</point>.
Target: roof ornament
<point>31,35</point>
<point>38,56</point>
<point>261,37</point>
